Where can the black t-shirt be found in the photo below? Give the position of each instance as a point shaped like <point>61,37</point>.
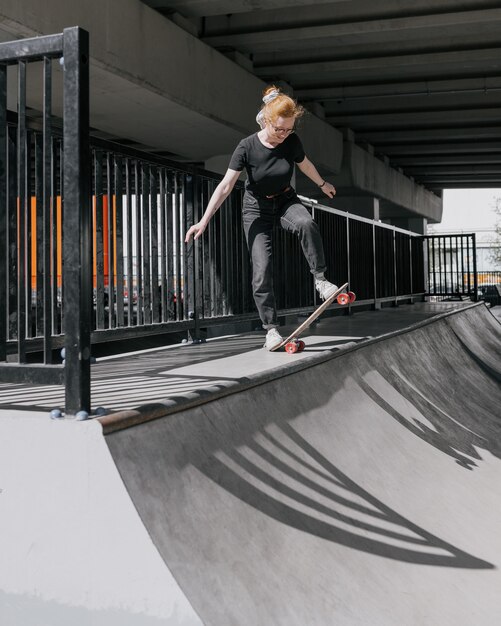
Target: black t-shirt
<point>269,170</point>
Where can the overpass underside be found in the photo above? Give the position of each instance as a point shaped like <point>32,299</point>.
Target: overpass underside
<point>403,99</point>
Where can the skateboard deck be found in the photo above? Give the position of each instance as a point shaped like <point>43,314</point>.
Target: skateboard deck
<point>292,343</point>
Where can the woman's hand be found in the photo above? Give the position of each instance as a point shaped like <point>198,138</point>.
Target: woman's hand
<point>221,192</point>
<point>195,231</point>
<point>329,189</point>
<point>308,169</point>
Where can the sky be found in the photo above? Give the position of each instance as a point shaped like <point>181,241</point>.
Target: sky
<point>468,210</point>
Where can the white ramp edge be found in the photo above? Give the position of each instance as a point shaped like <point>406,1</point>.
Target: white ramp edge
<point>74,551</point>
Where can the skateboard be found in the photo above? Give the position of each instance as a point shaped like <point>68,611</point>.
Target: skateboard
<point>292,343</point>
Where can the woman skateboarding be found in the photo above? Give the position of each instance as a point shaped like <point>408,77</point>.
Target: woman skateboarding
<point>268,157</point>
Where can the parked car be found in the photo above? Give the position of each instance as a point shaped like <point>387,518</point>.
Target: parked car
<point>490,294</point>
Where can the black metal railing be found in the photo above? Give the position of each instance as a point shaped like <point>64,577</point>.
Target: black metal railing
<point>93,234</point>
<point>489,277</point>
<point>452,266</point>
<point>36,230</point>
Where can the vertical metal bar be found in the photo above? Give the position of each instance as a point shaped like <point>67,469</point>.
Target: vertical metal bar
<point>443,266</point>
<point>395,281</point>
<point>164,293</point>
<point>246,307</point>
<point>434,264</point>
<point>456,265</point>
<point>49,277</point>
<point>169,245</point>
<point>444,277</point>
<point>12,235</point>
<point>374,264</point>
<point>438,264</point>
<point>348,258</point>
<point>411,275</point>
<point>146,194</point>
<point>111,242</point>
<point>189,251</point>
<point>3,212</point>
<point>213,276</point>
<point>461,239</point>
<point>222,257</point>
<point>130,249</point>
<point>429,243</point>
<point>52,236</point>
<point>38,232</point>
<point>475,275</point>
<point>119,253</point>
<point>183,257</point>
<point>176,248</point>
<point>208,301</point>
<point>468,268</point>
<point>155,284</point>
<point>139,240</point>
<point>450,265</point>
<point>22,212</point>
<point>77,236</point>
<point>230,256</point>
<point>61,228</point>
<point>29,234</point>
<point>99,240</point>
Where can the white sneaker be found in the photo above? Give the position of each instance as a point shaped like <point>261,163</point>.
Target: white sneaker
<point>273,339</point>
<point>325,288</point>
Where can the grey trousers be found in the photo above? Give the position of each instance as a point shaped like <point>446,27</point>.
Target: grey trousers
<point>260,216</point>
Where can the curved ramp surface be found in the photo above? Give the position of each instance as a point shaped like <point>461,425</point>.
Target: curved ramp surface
<point>361,490</point>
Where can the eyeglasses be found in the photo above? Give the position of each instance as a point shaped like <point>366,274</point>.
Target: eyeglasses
<point>283,131</point>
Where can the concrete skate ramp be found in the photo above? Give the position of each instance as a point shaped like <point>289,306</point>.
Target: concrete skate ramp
<point>363,489</point>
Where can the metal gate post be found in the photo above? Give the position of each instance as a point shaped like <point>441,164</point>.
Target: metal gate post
<point>77,240</point>
<point>3,211</point>
<point>475,273</point>
<point>191,254</point>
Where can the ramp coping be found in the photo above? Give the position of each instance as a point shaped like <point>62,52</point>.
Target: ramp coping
<point>128,418</point>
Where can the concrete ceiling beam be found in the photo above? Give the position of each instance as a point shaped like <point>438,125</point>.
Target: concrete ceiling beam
<point>422,103</point>
<point>468,149</point>
<point>454,170</point>
<point>434,65</point>
<point>475,181</point>
<point>415,119</point>
<point>202,8</point>
<point>424,135</point>
<point>443,160</point>
<point>270,34</point>
<point>354,93</point>
<point>332,49</point>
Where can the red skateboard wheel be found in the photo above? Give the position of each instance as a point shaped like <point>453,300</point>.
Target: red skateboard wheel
<point>343,299</point>
<point>300,345</point>
<point>352,296</point>
<point>291,347</point>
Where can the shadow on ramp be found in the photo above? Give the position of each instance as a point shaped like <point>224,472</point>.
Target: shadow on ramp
<point>328,495</point>
<point>318,509</point>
